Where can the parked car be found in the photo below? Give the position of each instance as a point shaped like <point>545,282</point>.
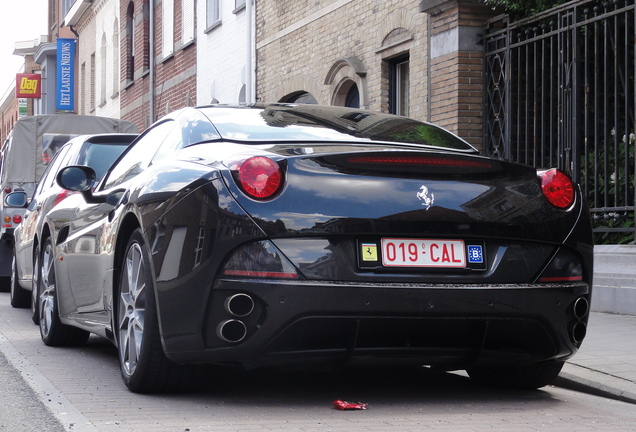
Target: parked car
<point>95,151</point>
<point>316,236</point>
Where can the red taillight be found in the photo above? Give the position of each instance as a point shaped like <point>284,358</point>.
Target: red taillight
<point>557,188</point>
<point>17,219</point>
<point>7,190</point>
<point>260,177</point>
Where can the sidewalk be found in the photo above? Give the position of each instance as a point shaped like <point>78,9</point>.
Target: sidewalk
<point>606,362</point>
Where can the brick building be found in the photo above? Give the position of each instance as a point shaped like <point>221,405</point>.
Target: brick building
<point>419,58</point>
<point>158,80</point>
<point>200,51</point>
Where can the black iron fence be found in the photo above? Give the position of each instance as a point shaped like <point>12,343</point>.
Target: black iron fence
<point>560,92</point>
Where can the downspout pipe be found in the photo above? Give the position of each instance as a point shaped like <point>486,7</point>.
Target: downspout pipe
<point>249,76</point>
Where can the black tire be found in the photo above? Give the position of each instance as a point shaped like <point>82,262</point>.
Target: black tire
<point>35,283</point>
<point>20,298</point>
<point>523,377</point>
<point>52,331</point>
<point>143,363</point>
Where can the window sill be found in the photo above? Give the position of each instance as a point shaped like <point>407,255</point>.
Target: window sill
<point>213,26</point>
<point>168,57</point>
<point>187,44</point>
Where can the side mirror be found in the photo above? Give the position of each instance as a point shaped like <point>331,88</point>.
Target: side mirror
<point>79,178</point>
<point>16,199</point>
<point>76,178</point>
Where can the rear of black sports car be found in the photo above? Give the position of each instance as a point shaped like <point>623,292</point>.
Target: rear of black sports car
<point>327,254</point>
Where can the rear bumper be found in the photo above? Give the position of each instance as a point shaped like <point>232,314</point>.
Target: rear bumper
<point>448,326</point>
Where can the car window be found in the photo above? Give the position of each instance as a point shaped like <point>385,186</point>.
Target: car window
<point>48,177</point>
<point>138,156</point>
<point>51,144</point>
<point>100,156</point>
<point>192,128</point>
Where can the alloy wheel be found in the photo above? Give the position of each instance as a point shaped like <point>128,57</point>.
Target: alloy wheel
<point>132,309</point>
<point>46,300</point>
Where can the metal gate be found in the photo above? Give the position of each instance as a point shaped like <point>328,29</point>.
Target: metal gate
<point>560,92</point>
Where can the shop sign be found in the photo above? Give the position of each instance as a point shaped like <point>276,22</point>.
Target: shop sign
<point>65,84</point>
<point>28,85</point>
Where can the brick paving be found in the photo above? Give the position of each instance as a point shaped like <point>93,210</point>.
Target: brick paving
<point>82,387</point>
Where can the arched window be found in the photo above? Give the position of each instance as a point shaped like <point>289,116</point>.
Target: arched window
<point>347,81</point>
<point>353,97</point>
<point>347,94</point>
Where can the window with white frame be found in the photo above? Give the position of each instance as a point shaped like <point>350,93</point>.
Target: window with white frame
<point>187,20</point>
<point>167,24</point>
<point>213,12</point>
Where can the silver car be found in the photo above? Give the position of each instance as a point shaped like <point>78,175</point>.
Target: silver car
<point>96,151</point>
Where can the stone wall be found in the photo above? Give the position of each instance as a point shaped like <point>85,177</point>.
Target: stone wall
<point>317,46</point>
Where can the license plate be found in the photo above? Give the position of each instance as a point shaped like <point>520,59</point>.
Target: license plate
<point>423,253</point>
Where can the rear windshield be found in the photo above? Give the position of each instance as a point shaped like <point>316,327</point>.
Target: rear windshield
<point>318,123</point>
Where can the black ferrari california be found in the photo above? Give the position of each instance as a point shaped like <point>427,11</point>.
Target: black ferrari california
<point>313,236</point>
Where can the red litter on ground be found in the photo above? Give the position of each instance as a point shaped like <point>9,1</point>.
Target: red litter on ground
<point>344,405</point>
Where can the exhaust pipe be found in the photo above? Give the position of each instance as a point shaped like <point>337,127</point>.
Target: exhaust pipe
<point>581,307</point>
<point>232,331</point>
<point>239,305</point>
<point>578,332</point>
